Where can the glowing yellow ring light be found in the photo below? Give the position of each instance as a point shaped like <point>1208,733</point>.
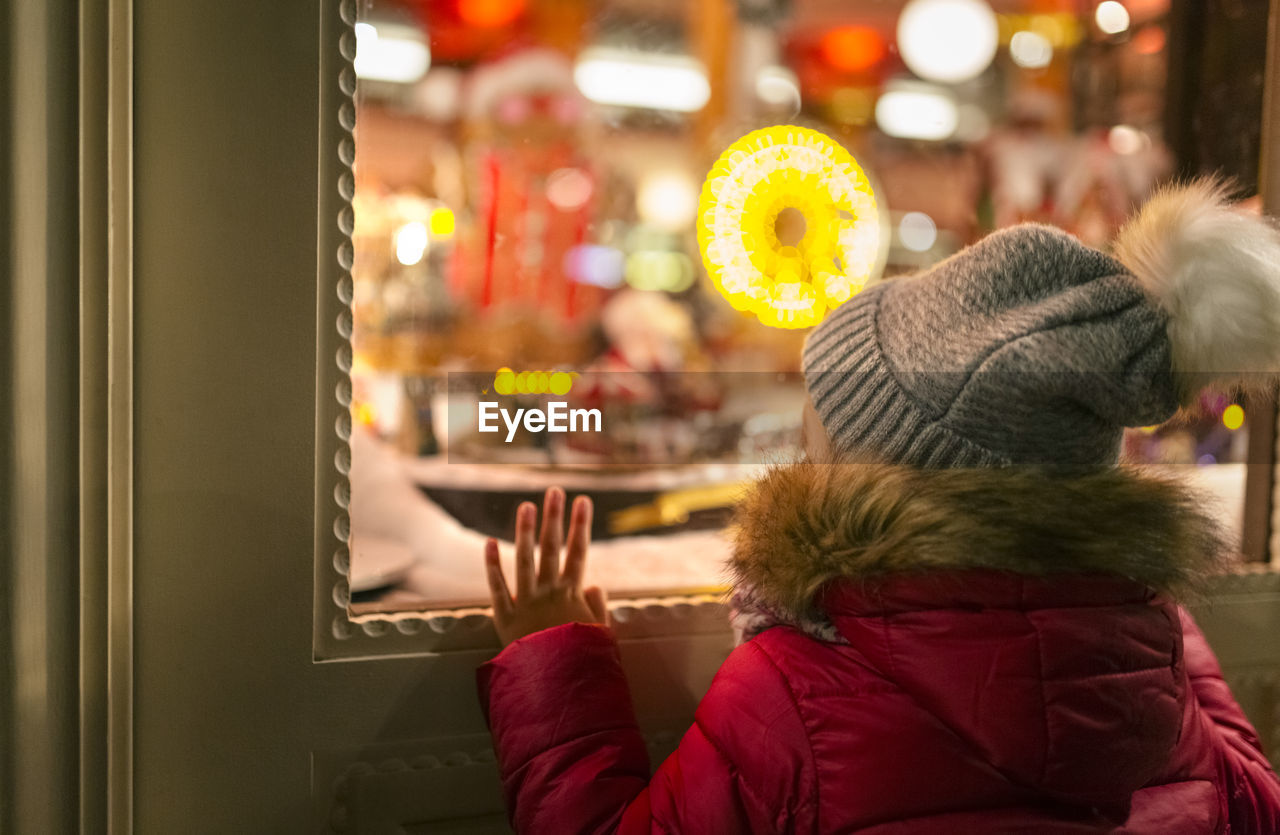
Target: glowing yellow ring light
<point>758,176</point>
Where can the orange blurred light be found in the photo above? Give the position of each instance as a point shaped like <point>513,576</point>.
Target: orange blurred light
<point>1149,40</point>
<point>489,13</point>
<point>853,48</point>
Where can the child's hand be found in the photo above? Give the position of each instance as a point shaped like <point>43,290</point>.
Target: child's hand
<point>550,597</point>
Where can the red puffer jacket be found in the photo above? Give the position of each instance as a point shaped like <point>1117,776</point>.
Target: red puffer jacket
<point>955,694</point>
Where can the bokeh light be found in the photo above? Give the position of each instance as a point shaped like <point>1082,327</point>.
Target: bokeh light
<point>1126,140</point>
<point>668,199</point>
<point>778,86</point>
<point>561,383</point>
<point>1111,17</point>
<point>1233,417</point>
<point>1030,50</point>
<point>411,243</point>
<point>630,78</point>
<point>1150,40</point>
<point>917,111</point>
<point>504,381</point>
<point>442,222</point>
<point>853,48</point>
<point>391,52</point>
<point>948,40</point>
<point>599,266</point>
<point>654,270</point>
<point>568,188</point>
<point>489,13</point>
<point>917,231</point>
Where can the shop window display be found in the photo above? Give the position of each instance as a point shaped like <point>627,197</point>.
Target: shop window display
<point>535,304</point>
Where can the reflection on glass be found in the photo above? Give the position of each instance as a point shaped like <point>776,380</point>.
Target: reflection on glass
<point>527,188</point>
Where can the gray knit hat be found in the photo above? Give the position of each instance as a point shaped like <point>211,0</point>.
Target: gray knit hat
<point>1030,348</point>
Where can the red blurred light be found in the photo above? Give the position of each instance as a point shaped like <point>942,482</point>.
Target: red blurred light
<point>489,13</point>
<point>853,48</point>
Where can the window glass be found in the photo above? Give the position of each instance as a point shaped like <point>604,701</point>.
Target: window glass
<point>528,176</point>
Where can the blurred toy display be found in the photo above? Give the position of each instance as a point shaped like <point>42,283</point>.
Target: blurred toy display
<point>527,197</point>
<point>532,186</point>
<point>1086,183</point>
<point>526,202</point>
<point>651,385</point>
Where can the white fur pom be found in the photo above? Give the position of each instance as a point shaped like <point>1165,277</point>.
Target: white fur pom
<point>1216,271</point>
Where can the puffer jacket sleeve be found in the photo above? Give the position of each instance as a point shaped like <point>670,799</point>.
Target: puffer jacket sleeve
<point>572,759</point>
<point>1253,790</point>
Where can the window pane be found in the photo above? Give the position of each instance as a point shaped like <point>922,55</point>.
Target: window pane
<point>528,178</point>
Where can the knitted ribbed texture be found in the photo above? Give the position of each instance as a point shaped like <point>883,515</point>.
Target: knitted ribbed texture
<point>1027,348</point>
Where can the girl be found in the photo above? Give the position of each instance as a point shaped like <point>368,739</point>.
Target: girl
<point>957,614</point>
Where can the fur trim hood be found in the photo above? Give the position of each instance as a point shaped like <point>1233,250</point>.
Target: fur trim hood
<point>813,521</point>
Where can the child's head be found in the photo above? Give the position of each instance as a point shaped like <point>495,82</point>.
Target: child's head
<point>1031,349</point>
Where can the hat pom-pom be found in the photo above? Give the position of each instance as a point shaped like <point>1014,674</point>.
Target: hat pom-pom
<point>1215,270</point>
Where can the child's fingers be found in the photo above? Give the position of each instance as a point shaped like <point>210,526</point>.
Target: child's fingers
<point>526,518</point>
<point>499,594</point>
<point>552,536</point>
<point>575,558</point>
<point>597,603</point>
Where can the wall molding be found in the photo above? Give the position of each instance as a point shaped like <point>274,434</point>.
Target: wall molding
<point>334,288</point>
<point>394,786</point>
<point>106,415</point>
